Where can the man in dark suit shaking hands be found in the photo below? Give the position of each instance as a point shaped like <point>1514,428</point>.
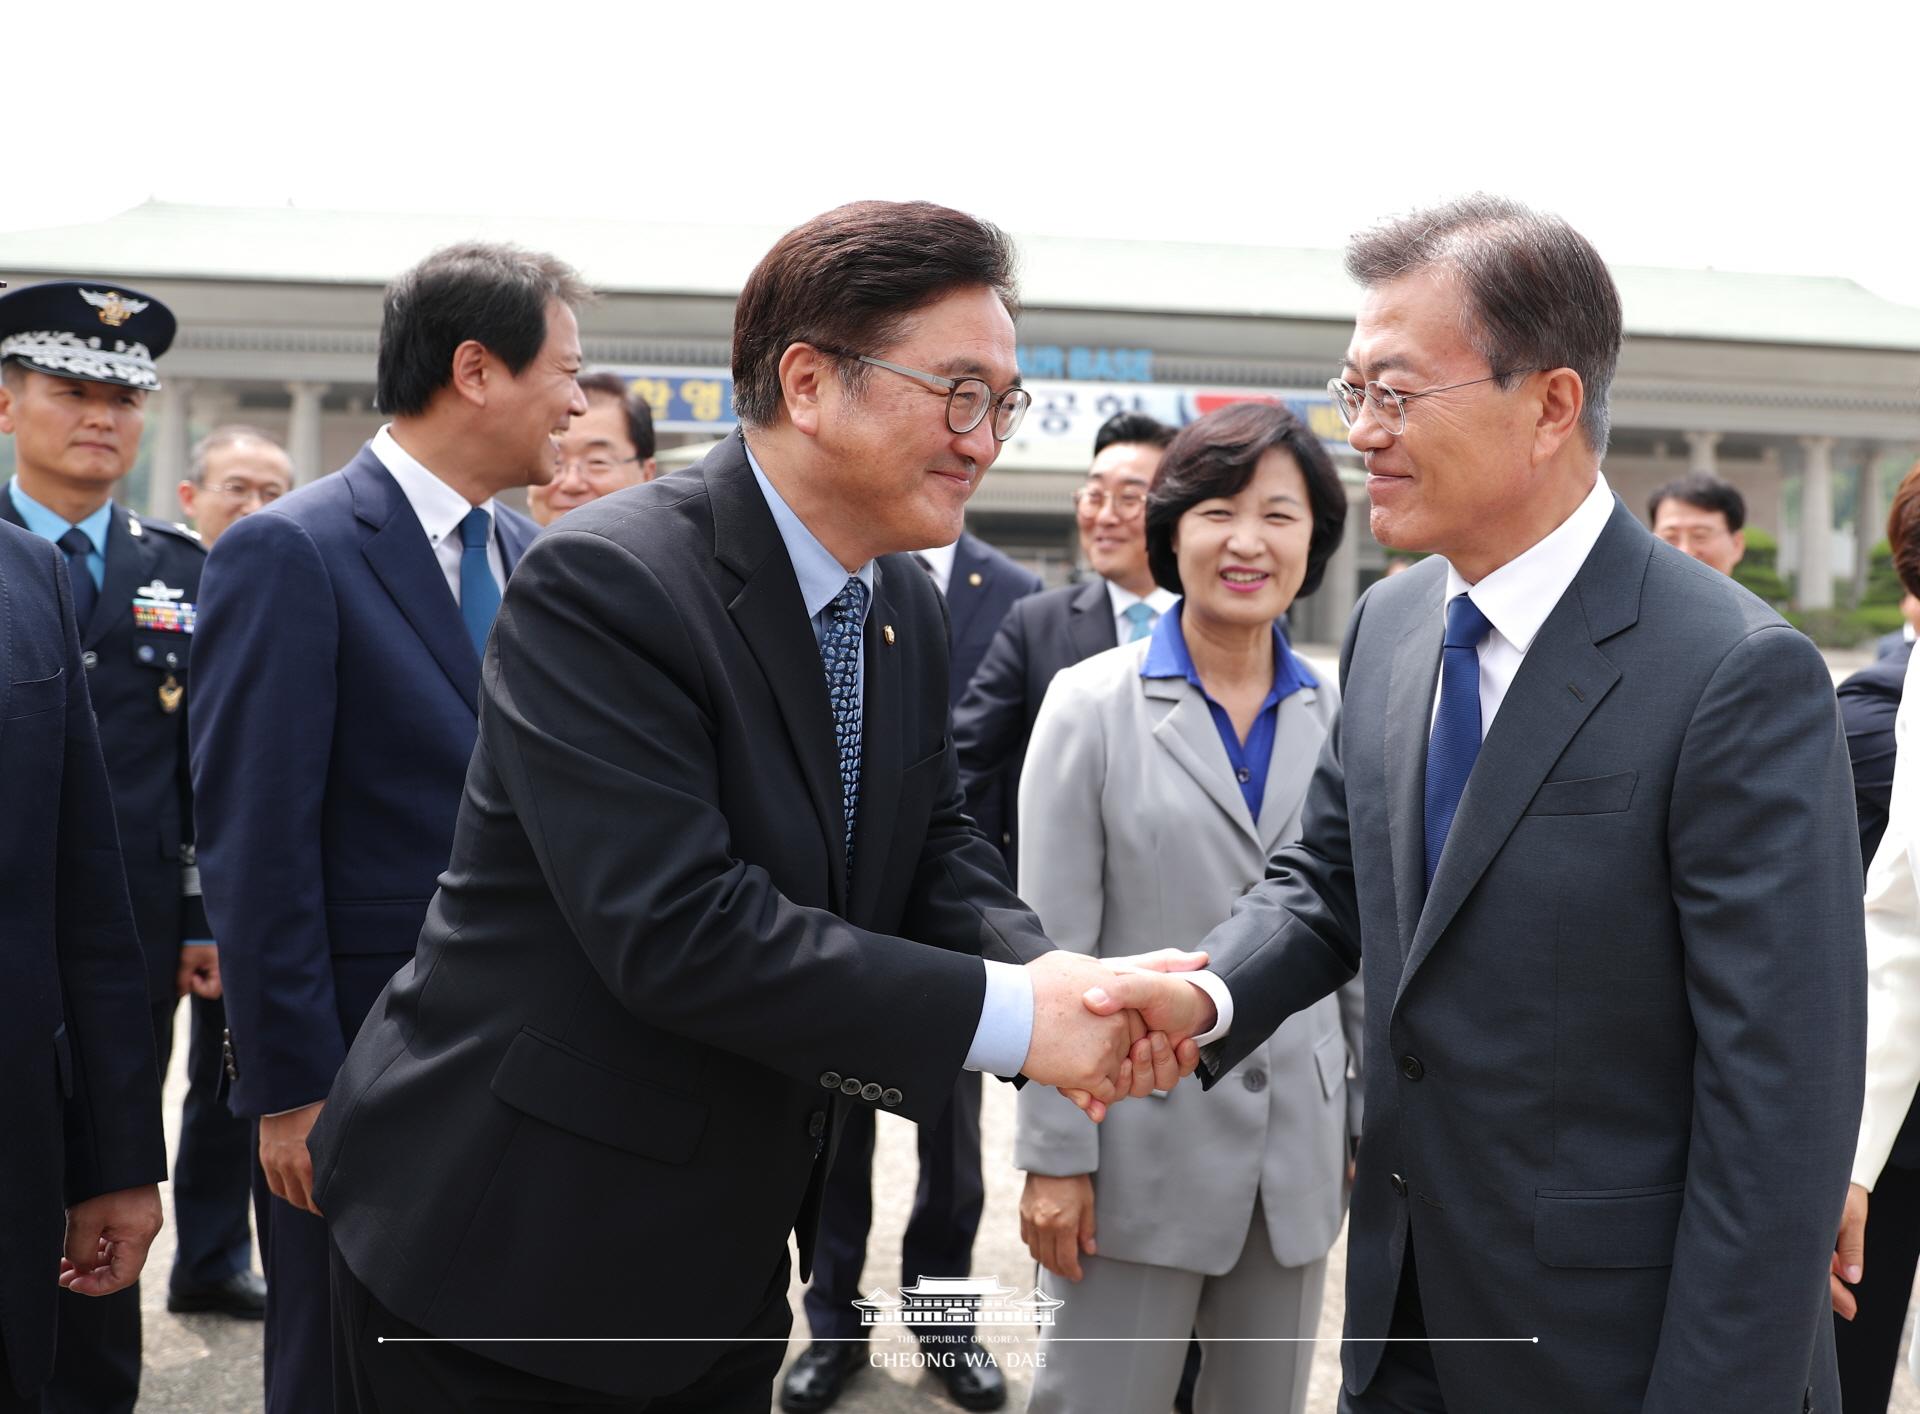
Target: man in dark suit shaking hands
<point>711,879</point>
<point>1586,825</point>
<point>338,670</point>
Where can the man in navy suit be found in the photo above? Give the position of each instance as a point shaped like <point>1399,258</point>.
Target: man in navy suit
<point>1046,632</point>
<point>338,663</point>
<point>980,585</point>
<point>81,1109</point>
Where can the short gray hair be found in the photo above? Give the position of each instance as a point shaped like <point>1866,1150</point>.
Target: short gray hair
<point>225,436</point>
<point>1537,293</point>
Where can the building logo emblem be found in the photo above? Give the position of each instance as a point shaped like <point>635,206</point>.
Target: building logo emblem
<point>957,1301</point>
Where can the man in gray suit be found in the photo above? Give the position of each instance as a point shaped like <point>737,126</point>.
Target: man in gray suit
<point>1586,824</point>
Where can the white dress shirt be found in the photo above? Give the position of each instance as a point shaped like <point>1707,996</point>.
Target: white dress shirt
<point>940,564</point>
<point>1120,600</point>
<point>440,509</point>
<point>1893,952</point>
<point>1516,598</point>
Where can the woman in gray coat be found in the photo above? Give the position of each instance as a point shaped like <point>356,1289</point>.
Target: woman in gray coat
<point>1160,777</point>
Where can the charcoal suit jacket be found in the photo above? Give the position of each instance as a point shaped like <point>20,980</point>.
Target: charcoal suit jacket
<point>1614,1053</point>
<point>603,1092</point>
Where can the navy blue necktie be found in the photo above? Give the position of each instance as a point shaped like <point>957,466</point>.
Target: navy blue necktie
<point>479,595</point>
<point>840,656</point>
<point>1456,726</point>
<point>85,592</point>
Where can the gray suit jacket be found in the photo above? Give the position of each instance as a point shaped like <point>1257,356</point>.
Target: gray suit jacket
<point>1614,1056</point>
<point>1138,838</point>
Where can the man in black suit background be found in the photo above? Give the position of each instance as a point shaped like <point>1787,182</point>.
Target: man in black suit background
<point>84,1155</point>
<point>1056,628</point>
<point>1586,823</point>
<point>711,879</point>
<point>980,584</point>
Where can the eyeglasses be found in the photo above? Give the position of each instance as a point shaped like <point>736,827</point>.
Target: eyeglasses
<point>595,466</point>
<point>1389,405</point>
<point>240,492</point>
<point>969,400</point>
<point>1127,502</point>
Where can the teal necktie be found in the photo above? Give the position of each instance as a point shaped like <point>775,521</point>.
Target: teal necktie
<point>479,595</point>
<point>1141,615</point>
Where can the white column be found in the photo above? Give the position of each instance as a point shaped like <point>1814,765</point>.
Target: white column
<point>170,410</point>
<point>1700,450</point>
<point>303,431</point>
<point>1815,587</point>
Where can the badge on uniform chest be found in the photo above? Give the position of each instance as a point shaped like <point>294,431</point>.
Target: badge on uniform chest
<point>159,613</point>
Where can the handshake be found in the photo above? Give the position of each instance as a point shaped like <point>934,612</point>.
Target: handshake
<point>1107,1028</point>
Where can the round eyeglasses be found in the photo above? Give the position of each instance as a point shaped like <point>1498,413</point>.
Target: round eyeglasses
<point>969,400</point>
<point>1390,405</point>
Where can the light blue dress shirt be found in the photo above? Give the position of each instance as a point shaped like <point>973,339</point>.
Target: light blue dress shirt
<point>1005,1031</point>
<point>50,526</point>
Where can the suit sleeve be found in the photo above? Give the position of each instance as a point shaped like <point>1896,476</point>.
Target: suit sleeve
<point>1063,857</point>
<point>1893,958</point>
<point>1765,882</point>
<point>991,719</point>
<point>194,926</point>
<point>112,1120</point>
<point>1295,936</point>
<point>1867,710</point>
<point>594,707</point>
<point>262,729</point>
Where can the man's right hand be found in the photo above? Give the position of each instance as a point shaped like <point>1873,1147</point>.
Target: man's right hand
<point>1849,1253</point>
<point>284,1156</point>
<point>1071,1047</point>
<point>1056,1221</point>
<point>107,1240</point>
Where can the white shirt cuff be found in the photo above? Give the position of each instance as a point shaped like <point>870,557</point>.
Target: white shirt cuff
<point>1005,1033</point>
<point>1216,988</point>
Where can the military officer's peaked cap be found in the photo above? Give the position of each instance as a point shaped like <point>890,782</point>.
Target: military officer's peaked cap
<point>91,329</point>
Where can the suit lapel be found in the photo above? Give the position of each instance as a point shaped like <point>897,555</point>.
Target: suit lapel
<point>130,564</point>
<point>880,761</point>
<point>964,598</point>
<point>1185,731</point>
<point>401,559</point>
<point>515,535</point>
<point>1410,689</point>
<point>1297,738</point>
<point>772,618</point>
<point>1090,626</point>
<point>1561,680</point>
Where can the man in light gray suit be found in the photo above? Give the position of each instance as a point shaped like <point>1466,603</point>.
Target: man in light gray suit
<point>1586,824</point>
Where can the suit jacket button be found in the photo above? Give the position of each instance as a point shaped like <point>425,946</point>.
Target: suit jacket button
<point>830,1080</point>
<point>816,1124</point>
<point>891,1098</point>
<point>1411,1068</point>
<point>869,1092</point>
<point>850,1086</point>
<point>226,1054</point>
<point>1255,1080</point>
<point>88,659</point>
<point>1399,1184</point>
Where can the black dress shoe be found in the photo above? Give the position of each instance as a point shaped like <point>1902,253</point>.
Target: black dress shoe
<point>820,1373</point>
<point>244,1294</point>
<point>972,1379</point>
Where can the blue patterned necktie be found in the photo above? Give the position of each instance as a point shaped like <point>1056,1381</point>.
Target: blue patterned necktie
<point>479,595</point>
<point>85,592</point>
<point>840,656</point>
<point>1141,615</point>
<point>1456,726</point>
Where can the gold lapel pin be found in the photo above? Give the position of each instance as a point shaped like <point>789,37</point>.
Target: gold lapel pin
<point>886,632</point>
<point>974,579</point>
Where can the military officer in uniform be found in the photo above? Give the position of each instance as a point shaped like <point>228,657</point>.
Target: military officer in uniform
<point>76,365</point>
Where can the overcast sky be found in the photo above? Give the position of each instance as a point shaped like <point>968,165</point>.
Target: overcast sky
<point>1745,137</point>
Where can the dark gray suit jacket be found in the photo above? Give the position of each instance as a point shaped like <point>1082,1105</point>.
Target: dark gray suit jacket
<point>1613,1058</point>
<point>647,985</point>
